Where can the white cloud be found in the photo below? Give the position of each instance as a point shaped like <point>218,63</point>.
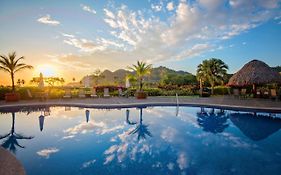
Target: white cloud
<point>170,6</point>
<point>83,44</point>
<point>156,7</point>
<point>88,9</point>
<point>196,50</point>
<point>67,35</point>
<point>109,14</point>
<point>190,30</point>
<point>47,152</point>
<point>48,20</point>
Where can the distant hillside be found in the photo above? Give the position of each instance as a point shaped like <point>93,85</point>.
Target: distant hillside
<point>118,76</point>
<point>277,68</point>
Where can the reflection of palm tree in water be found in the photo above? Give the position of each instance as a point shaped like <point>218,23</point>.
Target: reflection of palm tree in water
<point>212,122</point>
<point>141,129</point>
<point>12,138</point>
<point>128,118</point>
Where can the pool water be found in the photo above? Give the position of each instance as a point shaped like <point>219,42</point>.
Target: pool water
<point>158,140</point>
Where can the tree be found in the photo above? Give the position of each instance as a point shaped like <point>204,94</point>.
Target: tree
<point>213,71</point>
<point>62,81</point>
<point>11,65</point>
<point>141,70</point>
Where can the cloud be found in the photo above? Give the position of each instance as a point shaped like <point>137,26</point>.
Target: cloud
<point>109,14</point>
<point>48,20</point>
<point>88,9</point>
<point>47,152</point>
<point>83,44</point>
<point>189,30</point>
<point>170,6</point>
<point>157,7</point>
<point>67,35</point>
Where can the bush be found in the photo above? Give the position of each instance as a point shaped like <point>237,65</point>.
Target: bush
<point>3,91</point>
<point>222,90</point>
<point>153,91</point>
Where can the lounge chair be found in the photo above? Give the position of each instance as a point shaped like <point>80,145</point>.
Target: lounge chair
<point>106,92</point>
<point>67,93</point>
<point>273,94</point>
<point>265,94</point>
<point>121,93</point>
<point>236,93</point>
<point>81,93</point>
<point>94,93</point>
<point>258,94</point>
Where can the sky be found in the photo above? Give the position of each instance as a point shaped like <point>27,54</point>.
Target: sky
<point>74,38</point>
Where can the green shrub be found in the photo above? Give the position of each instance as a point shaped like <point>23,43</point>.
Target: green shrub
<point>153,91</point>
<point>222,90</point>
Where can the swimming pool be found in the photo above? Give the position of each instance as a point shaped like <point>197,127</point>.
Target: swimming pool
<point>151,140</point>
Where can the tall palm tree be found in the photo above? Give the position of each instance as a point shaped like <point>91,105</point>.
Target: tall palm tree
<point>213,71</point>
<point>142,70</point>
<point>11,65</point>
<point>12,138</point>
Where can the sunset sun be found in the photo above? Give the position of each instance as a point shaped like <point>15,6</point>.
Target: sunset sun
<point>47,70</point>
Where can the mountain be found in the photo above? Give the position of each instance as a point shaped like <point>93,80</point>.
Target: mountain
<point>118,77</point>
<point>277,68</point>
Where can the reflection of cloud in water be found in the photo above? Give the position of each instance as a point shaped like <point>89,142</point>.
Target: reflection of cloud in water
<point>88,163</point>
<point>168,134</point>
<point>182,161</point>
<point>68,137</point>
<point>170,166</point>
<point>236,142</point>
<point>109,159</point>
<point>92,126</point>
<point>47,152</point>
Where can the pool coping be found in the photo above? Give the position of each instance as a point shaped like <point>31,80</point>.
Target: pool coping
<point>143,105</point>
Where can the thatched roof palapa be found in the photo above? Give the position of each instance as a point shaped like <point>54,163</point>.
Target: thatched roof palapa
<point>255,72</point>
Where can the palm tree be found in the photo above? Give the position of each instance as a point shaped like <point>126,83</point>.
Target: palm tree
<point>141,69</point>
<point>11,65</point>
<point>12,138</point>
<point>213,71</point>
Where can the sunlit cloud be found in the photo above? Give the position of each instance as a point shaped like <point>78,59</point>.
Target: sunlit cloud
<point>170,6</point>
<point>47,152</point>
<point>88,9</point>
<point>48,20</point>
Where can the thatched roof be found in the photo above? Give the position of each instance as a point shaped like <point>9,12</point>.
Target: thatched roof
<point>255,72</point>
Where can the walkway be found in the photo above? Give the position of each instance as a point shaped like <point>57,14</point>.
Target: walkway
<point>226,102</point>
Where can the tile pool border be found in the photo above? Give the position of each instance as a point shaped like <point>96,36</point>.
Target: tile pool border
<point>9,107</point>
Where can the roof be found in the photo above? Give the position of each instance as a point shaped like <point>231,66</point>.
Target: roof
<point>255,72</point>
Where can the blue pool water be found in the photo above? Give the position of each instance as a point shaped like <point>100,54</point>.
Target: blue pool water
<point>158,140</point>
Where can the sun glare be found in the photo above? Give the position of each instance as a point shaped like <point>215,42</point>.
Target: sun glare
<point>47,70</point>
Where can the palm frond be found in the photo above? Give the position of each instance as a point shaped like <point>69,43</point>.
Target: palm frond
<point>23,67</point>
